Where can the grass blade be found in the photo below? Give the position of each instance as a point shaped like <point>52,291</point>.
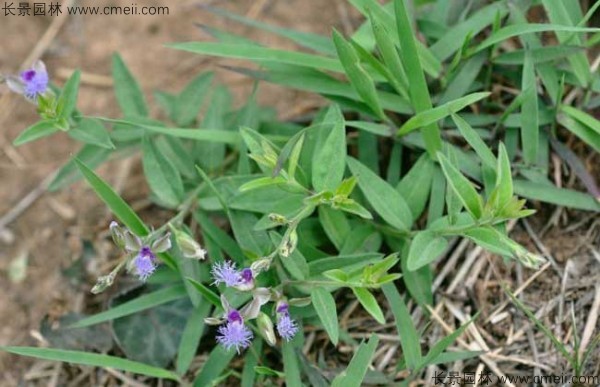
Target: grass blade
<point>138,304</point>
<point>92,359</point>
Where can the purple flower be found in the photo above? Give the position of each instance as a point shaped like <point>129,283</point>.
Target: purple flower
<point>234,334</point>
<point>225,272</point>
<point>286,327</point>
<point>32,82</point>
<point>144,263</point>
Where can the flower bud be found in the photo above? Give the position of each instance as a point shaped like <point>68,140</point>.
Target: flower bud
<point>132,242</point>
<point>188,246</point>
<point>259,266</point>
<point>117,233</point>
<point>103,282</point>
<point>277,218</point>
<point>299,302</point>
<point>213,321</point>
<point>162,244</point>
<point>265,328</point>
<point>289,245</point>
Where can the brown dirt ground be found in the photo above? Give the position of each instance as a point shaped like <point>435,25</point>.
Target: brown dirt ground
<point>50,232</point>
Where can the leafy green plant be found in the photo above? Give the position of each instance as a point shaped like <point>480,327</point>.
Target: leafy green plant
<point>416,148</point>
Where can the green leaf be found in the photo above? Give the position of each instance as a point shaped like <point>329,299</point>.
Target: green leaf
<point>390,56</point>
<point>67,100</point>
<point>335,225</point>
<point>529,113</point>
<point>416,184</point>
<point>138,304</point>
<point>208,294</point>
<point>471,136</point>
<point>444,343</point>
<point>259,54</point>
<point>92,359</point>
<point>208,135</point>
<point>36,131</point>
<point>251,367</point>
<point>342,261</point>
<point>520,29</point>
<point>190,100</point>
<point>359,78</point>
<point>312,41</point>
<point>582,117</point>
<point>504,181</point>
<point>369,302</point>
<point>584,132</point>
<point>409,337</point>
<point>217,362</point>
<point>569,13</point>
<point>160,327</point>
<point>128,92</point>
<point>163,178</point>
<point>538,54</point>
<point>430,116</point>
<point>290,365</point>
<point>419,93</point>
<point>92,132</point>
<point>354,374</point>
<point>324,304</point>
<point>462,187</point>
<point>117,205</point>
<point>190,338</point>
<point>453,39</point>
<point>90,155</point>
<point>559,196</point>
<point>425,248</point>
<point>490,239</point>
<point>328,162</point>
<point>386,201</point>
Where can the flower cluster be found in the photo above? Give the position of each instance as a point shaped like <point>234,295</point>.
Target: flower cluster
<point>233,333</point>
<point>31,83</point>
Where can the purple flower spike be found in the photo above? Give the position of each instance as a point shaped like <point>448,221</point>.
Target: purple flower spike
<point>145,263</point>
<point>246,275</point>
<point>283,308</point>
<point>286,327</point>
<point>234,334</point>
<point>32,82</point>
<point>225,272</point>
<point>234,316</point>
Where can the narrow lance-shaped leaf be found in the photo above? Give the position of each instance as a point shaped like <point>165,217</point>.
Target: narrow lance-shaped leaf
<point>162,176</point>
<point>430,116</point>
<point>369,302</point>
<point>409,337</point>
<point>36,131</point>
<point>419,92</point>
<point>324,304</point>
<point>354,375</point>
<point>359,78</point>
<point>462,187</point>
<point>471,136</point>
<point>386,201</point>
<point>117,205</point>
<point>328,164</point>
<point>425,248</point>
<point>529,113</point>
<point>127,90</point>
<point>92,359</point>
<point>68,97</point>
